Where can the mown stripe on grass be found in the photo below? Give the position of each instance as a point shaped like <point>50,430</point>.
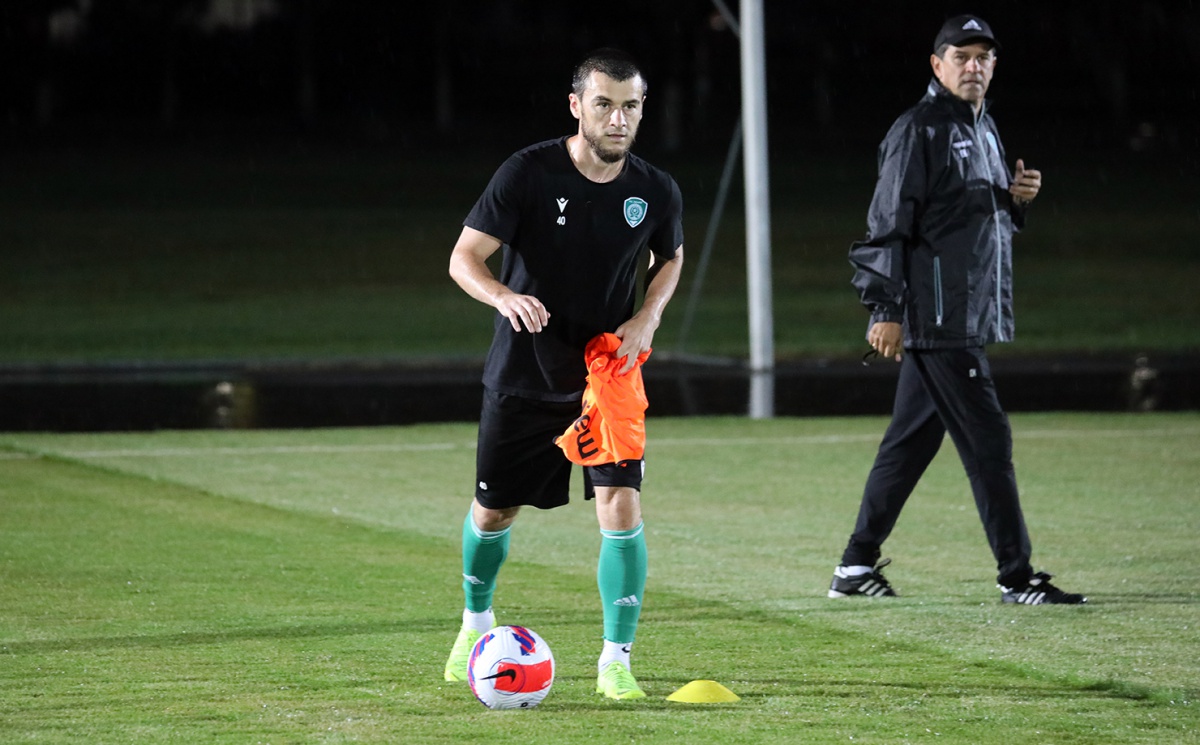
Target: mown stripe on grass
<point>231,451</point>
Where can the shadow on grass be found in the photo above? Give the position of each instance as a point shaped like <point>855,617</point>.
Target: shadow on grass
<point>446,625</point>
<point>1138,598</point>
<point>760,692</point>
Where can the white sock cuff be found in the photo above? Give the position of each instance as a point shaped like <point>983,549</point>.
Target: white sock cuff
<point>624,535</point>
<point>854,570</point>
<point>487,535</point>
<point>481,621</point>
<point>614,652</point>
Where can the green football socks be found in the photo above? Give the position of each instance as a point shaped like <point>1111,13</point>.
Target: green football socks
<point>483,554</point>
<point>621,576</point>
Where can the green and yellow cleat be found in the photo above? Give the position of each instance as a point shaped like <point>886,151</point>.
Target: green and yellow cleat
<point>616,682</point>
<point>456,666</point>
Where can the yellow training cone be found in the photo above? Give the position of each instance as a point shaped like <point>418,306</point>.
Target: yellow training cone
<point>703,692</point>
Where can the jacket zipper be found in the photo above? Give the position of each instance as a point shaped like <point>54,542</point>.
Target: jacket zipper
<point>996,229</point>
<point>937,290</point>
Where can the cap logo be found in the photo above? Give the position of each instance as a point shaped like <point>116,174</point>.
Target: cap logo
<point>972,25</point>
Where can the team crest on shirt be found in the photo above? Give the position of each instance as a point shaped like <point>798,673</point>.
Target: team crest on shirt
<point>635,211</point>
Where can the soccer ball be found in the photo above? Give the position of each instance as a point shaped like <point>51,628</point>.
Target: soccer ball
<point>510,667</point>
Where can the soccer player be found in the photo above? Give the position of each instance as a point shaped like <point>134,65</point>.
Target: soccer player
<point>935,272</point>
<point>575,217</point>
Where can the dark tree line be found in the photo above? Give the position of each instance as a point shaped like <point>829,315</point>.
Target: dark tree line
<point>389,67</point>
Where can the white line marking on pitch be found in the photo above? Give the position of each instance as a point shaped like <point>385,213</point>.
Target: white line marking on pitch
<point>840,439</point>
<point>798,440</point>
<point>653,443</point>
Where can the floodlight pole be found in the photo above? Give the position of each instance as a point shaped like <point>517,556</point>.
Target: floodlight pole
<point>758,211</point>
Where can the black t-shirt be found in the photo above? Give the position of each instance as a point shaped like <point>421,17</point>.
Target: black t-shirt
<point>575,245</point>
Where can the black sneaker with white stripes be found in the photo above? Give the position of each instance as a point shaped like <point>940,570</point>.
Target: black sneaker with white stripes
<point>872,584</point>
<point>1039,591</point>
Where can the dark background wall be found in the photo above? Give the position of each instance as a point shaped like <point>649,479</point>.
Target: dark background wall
<point>163,84</point>
<point>1096,74</point>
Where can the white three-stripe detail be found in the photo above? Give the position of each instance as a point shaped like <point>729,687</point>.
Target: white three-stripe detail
<point>872,588</point>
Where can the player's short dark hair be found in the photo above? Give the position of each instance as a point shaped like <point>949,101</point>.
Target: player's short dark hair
<point>615,63</point>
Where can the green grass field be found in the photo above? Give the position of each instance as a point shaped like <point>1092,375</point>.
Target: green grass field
<point>303,586</point>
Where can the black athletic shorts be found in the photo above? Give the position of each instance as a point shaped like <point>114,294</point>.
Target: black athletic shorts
<point>517,462</point>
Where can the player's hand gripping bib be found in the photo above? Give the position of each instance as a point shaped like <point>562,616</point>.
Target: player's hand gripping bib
<point>612,427</point>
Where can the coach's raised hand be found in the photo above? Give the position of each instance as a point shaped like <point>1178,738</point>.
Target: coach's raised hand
<point>1026,183</point>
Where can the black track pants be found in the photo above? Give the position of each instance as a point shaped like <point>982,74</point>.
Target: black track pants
<point>946,391</point>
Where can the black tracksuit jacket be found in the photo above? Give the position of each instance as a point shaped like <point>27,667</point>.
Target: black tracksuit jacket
<point>938,251</point>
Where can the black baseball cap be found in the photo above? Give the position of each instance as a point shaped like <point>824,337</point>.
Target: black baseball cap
<point>961,30</point>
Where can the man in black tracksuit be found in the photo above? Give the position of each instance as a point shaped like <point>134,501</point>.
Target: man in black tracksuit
<point>936,274</point>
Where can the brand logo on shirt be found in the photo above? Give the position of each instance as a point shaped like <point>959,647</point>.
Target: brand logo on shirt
<point>962,148</point>
<point>635,211</point>
<point>562,204</point>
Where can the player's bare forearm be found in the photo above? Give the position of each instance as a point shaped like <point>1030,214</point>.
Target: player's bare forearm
<point>468,268</point>
<point>661,280</point>
<point>637,334</point>
<point>475,279</point>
